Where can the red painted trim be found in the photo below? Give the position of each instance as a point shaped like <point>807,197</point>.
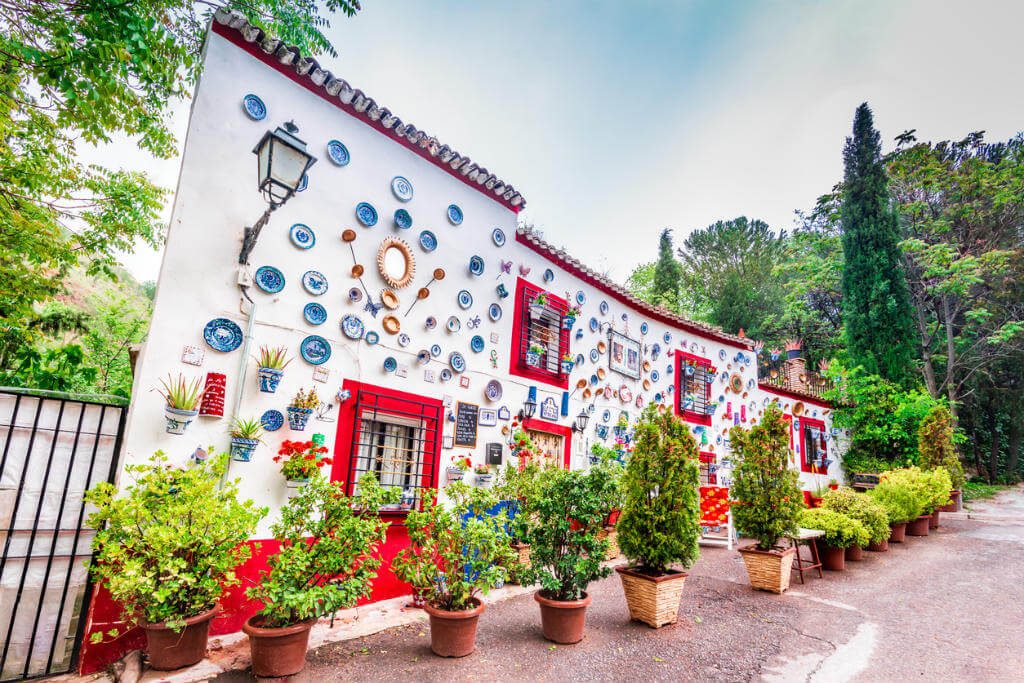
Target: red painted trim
<point>806,422</point>
<point>626,299</point>
<point>789,419</point>
<point>518,367</point>
<point>553,428</point>
<point>772,389</point>
<point>235,38</point>
<point>689,415</point>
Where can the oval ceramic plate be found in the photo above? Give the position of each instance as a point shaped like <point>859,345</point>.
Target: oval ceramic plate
<point>435,350</point>
<point>430,323</point>
<point>667,337</point>
<point>401,188</point>
<point>643,328</point>
<point>222,335</point>
<point>355,295</point>
<point>302,236</point>
<point>315,314</point>
<point>594,355</point>
<point>446,374</point>
<point>454,324</point>
<point>269,279</point>
<point>272,420</point>
<point>603,308</point>
<point>457,361</point>
<point>494,312</point>
<point>390,364</point>
<point>476,265</point>
<point>371,338</point>
<point>314,282</point>
<point>655,376</point>
<point>390,324</point>
<point>389,299</point>
<point>454,214</point>
<point>476,343</point>
<point>594,325</point>
<point>366,214</point>
<point>338,153</point>
<point>315,350</point>
<point>428,241</point>
<point>498,237</point>
<point>465,299</point>
<point>403,219</point>
<point>493,390</point>
<point>403,340</point>
<point>549,276</point>
<point>254,107</point>
<point>352,327</point>
<point>581,297</point>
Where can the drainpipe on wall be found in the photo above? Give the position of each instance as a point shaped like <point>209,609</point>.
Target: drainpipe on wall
<point>244,280</point>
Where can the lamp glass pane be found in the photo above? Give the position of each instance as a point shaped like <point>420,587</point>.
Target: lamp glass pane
<point>289,163</point>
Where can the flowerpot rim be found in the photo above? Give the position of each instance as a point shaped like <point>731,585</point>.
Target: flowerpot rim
<point>894,524</point>
<point>928,516</point>
<point>634,571</point>
<point>561,604</point>
<point>456,614</point>
<point>777,552</point>
<point>242,440</point>
<point>254,631</point>
<point>300,410</point>
<point>264,368</point>
<point>180,411</point>
<point>205,615</point>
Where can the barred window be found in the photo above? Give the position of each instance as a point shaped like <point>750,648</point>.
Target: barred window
<point>542,338</point>
<point>693,388</point>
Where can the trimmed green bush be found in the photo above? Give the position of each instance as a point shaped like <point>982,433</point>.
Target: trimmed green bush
<point>935,445</point>
<point>937,485</point>
<point>900,493</point>
<point>861,507</point>
<point>660,520</point>
<point>840,531</point>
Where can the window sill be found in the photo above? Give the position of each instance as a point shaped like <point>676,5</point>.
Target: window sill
<point>695,418</point>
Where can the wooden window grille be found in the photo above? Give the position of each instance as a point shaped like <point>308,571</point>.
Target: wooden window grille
<point>546,330</point>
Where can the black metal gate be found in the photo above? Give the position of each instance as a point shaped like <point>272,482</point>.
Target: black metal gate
<point>54,448</point>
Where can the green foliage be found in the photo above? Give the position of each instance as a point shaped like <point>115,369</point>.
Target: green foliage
<point>667,278</point>
<point>840,531</point>
<point>935,439</point>
<point>937,484</point>
<point>182,393</point>
<point>246,428</point>
<point>456,551</point>
<point>168,543</point>
<point>900,493</point>
<point>328,554</point>
<point>861,507</point>
<point>660,520</point>
<point>765,491</point>
<point>980,490</point>
<point>273,357</point>
<point>520,484</point>
<point>565,552</point>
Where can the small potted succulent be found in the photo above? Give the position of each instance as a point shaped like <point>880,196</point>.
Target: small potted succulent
<point>841,532</point>
<point>271,362</point>
<point>245,435</point>
<point>484,476</point>
<point>166,547</point>
<point>865,510</point>
<point>901,500</point>
<point>328,557</point>
<point>300,461</point>
<point>456,553</point>
<point>570,317</point>
<point>568,361</point>
<point>533,354</point>
<point>301,408</point>
<point>457,470</point>
<point>539,305</point>
<point>181,402</point>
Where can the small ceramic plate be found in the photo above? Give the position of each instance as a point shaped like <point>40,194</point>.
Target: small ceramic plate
<point>403,340</point>
<point>494,312</point>
<point>580,359</point>
<point>401,188</point>
<point>457,362</point>
<point>667,337</point>
<point>476,343</point>
<point>581,297</point>
<point>655,375</point>
<point>476,265</point>
<point>390,324</point>
<point>465,299</point>
<point>493,390</point>
<point>498,237</point>
<point>594,325</point>
<point>435,350</point>
<point>423,356</point>
<point>601,346</point>
<point>454,214</point>
<point>428,241</point>
<point>338,153</point>
<point>254,107</point>
<point>302,236</point>
<point>603,308</point>
<point>389,299</point>
<point>430,323</point>
<point>372,338</point>
<point>594,355</point>
<point>390,364</point>
<point>549,276</point>
<point>446,374</point>
<point>366,214</point>
<point>643,328</point>
<point>352,327</point>
<point>272,420</point>
<point>222,335</point>
<point>314,282</point>
<point>355,295</point>
<point>269,279</point>
<point>315,314</point>
<point>453,325</point>
<point>403,219</point>
<point>315,350</point>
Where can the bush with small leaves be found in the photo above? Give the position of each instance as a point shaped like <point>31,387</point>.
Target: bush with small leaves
<point>840,531</point>
<point>936,445</point>
<point>862,508</point>
<point>900,493</point>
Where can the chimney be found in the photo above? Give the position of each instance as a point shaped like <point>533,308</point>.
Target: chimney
<point>795,366</point>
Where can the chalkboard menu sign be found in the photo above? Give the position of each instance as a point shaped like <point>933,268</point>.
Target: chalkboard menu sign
<point>465,423</point>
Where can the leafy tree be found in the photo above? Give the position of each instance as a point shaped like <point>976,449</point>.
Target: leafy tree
<point>115,324</point>
<point>667,278</point>
<point>936,447</point>
<point>876,304</point>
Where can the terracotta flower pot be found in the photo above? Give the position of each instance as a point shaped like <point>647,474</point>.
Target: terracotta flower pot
<point>453,634</point>
<point>768,570</point>
<point>653,599</point>
<point>854,553</point>
<point>954,504</point>
<point>879,547</point>
<point>898,532</point>
<point>562,621</point>
<point>277,652</point>
<point>832,558</point>
<point>167,650</point>
<point>919,526</point>
<point>933,521</point>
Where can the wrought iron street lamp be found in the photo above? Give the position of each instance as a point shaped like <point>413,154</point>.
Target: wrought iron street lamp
<point>581,422</point>
<point>529,409</point>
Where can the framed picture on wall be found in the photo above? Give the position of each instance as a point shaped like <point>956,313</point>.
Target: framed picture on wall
<point>488,417</point>
<point>624,355</point>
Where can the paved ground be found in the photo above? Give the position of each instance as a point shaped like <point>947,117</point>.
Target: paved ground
<point>947,607</point>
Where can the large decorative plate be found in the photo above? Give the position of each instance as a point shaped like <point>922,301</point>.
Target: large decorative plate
<point>302,236</point>
<point>456,360</point>
<point>494,312</point>
<point>272,420</point>
<point>352,327</point>
<point>454,214</point>
<point>401,188</point>
<point>498,237</point>
<point>476,343</point>
<point>314,282</point>
<point>465,299</point>
<point>315,314</point>
<point>366,214</point>
<point>493,390</point>
<point>315,349</point>
<point>476,265</point>
<point>338,153</point>
<point>222,335</point>
<point>254,107</point>
<point>428,241</point>
<point>269,279</point>
<point>403,219</point>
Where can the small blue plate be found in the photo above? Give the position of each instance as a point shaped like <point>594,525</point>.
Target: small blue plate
<point>603,307</point>
<point>314,282</point>
<point>494,312</point>
<point>655,376</point>
<point>390,364</point>
<point>594,355</point>
<point>457,362</point>
<point>401,188</point>
<point>446,374</point>
<point>594,324</point>
<point>549,275</point>
<point>315,314</point>
<point>428,241</point>
<point>435,350</point>
<point>580,360</point>
<point>643,328</point>
<point>254,107</point>
<point>302,236</point>
<point>338,153</point>
<point>454,214</point>
<point>372,338</point>
<point>581,297</point>
<point>366,214</point>
<point>352,327</point>
<point>403,219</point>
<point>272,420</point>
<point>476,343</point>
<point>498,237</point>
<point>222,335</point>
<point>269,279</point>
<point>476,265</point>
<point>667,337</point>
<point>315,350</point>
<point>465,299</point>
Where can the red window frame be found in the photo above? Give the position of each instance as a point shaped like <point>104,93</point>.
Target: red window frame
<point>533,424</point>
<point>806,422</point>
<point>691,415</point>
<point>707,458</point>
<point>525,291</point>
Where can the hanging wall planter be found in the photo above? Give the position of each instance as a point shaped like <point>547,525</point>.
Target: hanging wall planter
<point>269,379</point>
<point>298,417</point>
<point>178,420</point>
<point>241,449</point>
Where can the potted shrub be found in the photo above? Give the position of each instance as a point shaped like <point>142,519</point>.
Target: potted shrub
<point>938,487</point>
<point>841,532</point>
<point>570,317</point>
<point>767,499</point>
<point>245,436</point>
<point>865,510</point>
<point>301,408</point>
<point>915,481</point>
<point>533,354</point>
<point>166,546</point>
<point>539,305</point>
<point>455,554</point>
<point>271,362</point>
<point>901,500</point>
<point>328,556</point>
<point>568,361</point>
<point>518,485</point>
<point>181,402</point>
<point>936,448</point>
<point>660,521</point>
<point>300,461</point>
<point>565,551</point>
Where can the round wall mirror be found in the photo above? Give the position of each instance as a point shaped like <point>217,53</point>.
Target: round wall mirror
<point>395,262</point>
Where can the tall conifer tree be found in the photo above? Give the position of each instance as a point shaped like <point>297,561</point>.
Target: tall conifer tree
<point>668,274</point>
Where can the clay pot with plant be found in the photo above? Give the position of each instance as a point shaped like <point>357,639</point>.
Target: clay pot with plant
<point>533,354</point>
<point>517,486</point>
<point>767,499</point>
<point>659,526</point>
<point>246,434</point>
<point>456,554</point>
<point>538,305</point>
<point>902,499</point>
<point>271,362</point>
<point>166,547</point>
<point>328,555</point>
<point>936,445</point>
<point>300,462</point>
<point>840,532</point>
<point>181,402</point>
<point>301,407</point>
<point>865,510</point>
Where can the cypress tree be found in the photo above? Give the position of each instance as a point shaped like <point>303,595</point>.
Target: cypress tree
<point>668,274</point>
<point>877,314</point>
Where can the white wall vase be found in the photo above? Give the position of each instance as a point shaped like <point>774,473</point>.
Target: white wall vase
<point>178,420</point>
<point>269,379</point>
<point>298,417</point>
<point>567,366</point>
<point>241,449</point>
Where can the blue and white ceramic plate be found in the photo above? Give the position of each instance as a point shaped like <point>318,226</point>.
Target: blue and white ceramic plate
<point>446,374</point>
<point>355,295</point>
<point>594,324</point>
<point>476,343</point>
<point>454,214</point>
<point>315,314</point>
<point>428,240</point>
<point>494,312</point>
<point>403,219</point>
<point>643,328</point>
<point>314,282</point>
<point>272,420</point>
<point>668,369</point>
<point>430,323</point>
<point>423,356</point>
<point>549,275</point>
<point>269,279</point>
<point>594,355</point>
<point>603,307</point>
<point>655,376</point>
<point>721,354</point>
<point>498,237</point>
<point>371,338</point>
<point>454,324</point>
<point>667,337</point>
<point>315,349</point>
<point>435,350</point>
<point>302,236</point>
<point>403,340</point>
<point>254,107</point>
<point>390,364</point>
<point>655,351</point>
<point>401,188</point>
<point>579,333</point>
<point>338,153</point>
<point>465,299</point>
<point>493,390</point>
<point>352,327</point>
<point>366,214</point>
<point>456,360</point>
<point>581,297</point>
<point>222,334</point>
<point>476,265</point>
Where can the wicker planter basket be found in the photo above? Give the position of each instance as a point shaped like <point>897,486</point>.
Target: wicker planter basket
<point>612,535</point>
<point>768,569</point>
<point>653,600</point>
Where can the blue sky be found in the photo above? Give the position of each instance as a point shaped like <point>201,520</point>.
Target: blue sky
<point>616,119</point>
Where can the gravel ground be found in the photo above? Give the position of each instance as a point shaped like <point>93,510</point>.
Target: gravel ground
<point>946,607</point>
